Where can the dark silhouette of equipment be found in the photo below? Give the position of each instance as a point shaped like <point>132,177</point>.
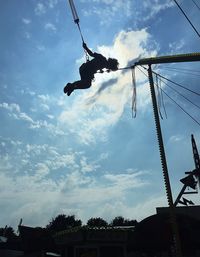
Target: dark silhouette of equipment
<point>192,180</point>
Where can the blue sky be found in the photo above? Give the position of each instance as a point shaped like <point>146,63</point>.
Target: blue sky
<point>85,154</point>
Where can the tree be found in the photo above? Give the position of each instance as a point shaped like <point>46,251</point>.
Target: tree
<point>8,232</point>
<point>128,222</point>
<point>97,222</point>
<point>120,221</point>
<point>63,222</point>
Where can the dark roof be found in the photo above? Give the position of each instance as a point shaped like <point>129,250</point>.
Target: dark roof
<point>34,239</point>
<point>93,234</point>
<point>155,232</point>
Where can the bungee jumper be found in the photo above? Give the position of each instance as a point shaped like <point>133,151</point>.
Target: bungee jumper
<point>90,67</point>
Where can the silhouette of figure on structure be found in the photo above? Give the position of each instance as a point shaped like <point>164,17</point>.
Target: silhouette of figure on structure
<point>88,69</point>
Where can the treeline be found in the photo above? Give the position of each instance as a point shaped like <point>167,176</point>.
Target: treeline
<point>62,222</point>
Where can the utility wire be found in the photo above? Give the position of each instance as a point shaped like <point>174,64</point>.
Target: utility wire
<point>181,71</point>
<point>173,99</point>
<point>196,4</point>
<point>196,93</point>
<point>181,107</point>
<point>181,94</point>
<point>187,18</point>
<point>160,96</point>
<point>160,93</point>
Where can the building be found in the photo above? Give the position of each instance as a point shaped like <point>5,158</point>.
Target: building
<point>150,237</point>
<point>94,242</point>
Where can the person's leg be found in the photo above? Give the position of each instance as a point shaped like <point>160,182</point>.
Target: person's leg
<point>66,88</point>
<point>80,84</point>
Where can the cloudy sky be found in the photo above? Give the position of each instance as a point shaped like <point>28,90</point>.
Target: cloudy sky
<point>85,154</point>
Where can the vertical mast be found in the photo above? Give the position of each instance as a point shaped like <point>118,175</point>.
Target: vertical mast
<point>176,238</point>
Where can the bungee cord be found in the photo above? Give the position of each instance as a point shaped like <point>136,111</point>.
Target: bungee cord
<point>134,96</point>
<point>77,20</point>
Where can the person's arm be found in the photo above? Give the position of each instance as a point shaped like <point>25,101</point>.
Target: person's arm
<point>88,50</point>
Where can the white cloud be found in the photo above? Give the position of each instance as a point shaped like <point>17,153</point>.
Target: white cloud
<point>40,9</point>
<point>126,181</point>
<point>16,113</point>
<point>41,48</point>
<point>77,186</point>
<point>27,35</point>
<point>25,117</point>
<point>44,98</point>
<point>26,21</point>
<point>107,9</point>
<point>75,190</point>
<point>50,116</point>
<point>176,138</point>
<point>41,171</point>
<point>52,3</point>
<point>86,166</point>
<point>44,107</point>
<point>50,27</point>
<point>177,47</point>
<point>11,107</point>
<point>137,211</point>
<point>155,6</point>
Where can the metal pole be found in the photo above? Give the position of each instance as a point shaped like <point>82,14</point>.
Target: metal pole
<point>176,238</point>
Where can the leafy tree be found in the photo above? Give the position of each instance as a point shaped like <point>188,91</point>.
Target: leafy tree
<point>8,232</point>
<point>128,222</point>
<point>120,221</point>
<point>63,222</point>
<point>97,222</point>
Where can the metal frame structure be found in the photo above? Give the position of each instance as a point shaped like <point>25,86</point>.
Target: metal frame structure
<point>191,57</point>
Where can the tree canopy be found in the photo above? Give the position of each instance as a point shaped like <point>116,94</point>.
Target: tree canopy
<point>97,222</point>
<point>63,222</point>
<point>8,232</point>
<point>120,221</point>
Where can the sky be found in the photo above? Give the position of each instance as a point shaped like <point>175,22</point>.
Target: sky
<point>85,155</point>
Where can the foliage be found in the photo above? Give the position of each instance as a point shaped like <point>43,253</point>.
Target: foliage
<point>97,222</point>
<point>120,221</point>
<point>63,222</point>
<point>8,232</point>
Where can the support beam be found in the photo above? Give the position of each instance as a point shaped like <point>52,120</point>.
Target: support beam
<point>191,57</point>
<point>176,238</point>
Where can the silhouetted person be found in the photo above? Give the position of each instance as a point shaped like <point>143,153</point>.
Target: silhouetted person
<point>88,69</point>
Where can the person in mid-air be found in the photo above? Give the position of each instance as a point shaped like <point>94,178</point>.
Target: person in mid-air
<point>88,69</point>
